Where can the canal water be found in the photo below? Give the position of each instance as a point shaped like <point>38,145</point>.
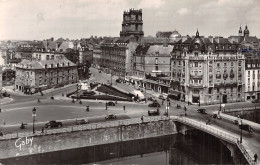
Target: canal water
<point>199,148</point>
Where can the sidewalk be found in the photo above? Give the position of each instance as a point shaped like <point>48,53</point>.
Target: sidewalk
<point>9,89</point>
<point>5,100</point>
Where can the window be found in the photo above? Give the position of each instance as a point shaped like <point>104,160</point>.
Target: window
<point>217,90</point>
<point>218,64</point>
<point>196,64</point>
<point>156,67</point>
<point>248,73</point>
<point>239,63</point>
<point>232,63</point>
<point>156,61</point>
<point>225,64</point>
<point>47,57</point>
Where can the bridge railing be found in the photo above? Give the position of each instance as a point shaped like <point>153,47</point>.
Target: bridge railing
<point>249,159</point>
<point>84,127</point>
<point>206,128</point>
<point>218,133</point>
<point>241,109</point>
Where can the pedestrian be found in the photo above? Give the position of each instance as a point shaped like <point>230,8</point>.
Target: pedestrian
<point>169,103</point>
<point>42,130</point>
<point>124,107</point>
<point>116,101</point>
<point>142,118</point>
<point>218,112</point>
<point>162,102</point>
<point>87,109</point>
<point>0,110</point>
<point>255,156</point>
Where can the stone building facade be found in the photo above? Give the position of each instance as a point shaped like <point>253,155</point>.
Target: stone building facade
<point>200,70</point>
<point>151,67</point>
<point>132,24</point>
<point>252,78</point>
<point>116,56</point>
<point>208,70</point>
<point>33,76</point>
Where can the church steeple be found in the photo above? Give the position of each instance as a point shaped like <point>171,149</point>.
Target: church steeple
<point>240,32</point>
<point>246,31</point>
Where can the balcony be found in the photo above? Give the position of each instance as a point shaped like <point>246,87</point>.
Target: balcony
<point>218,76</point>
<point>225,76</point>
<point>196,85</point>
<point>196,75</point>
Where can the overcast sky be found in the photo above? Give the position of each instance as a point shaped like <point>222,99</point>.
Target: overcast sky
<point>75,19</point>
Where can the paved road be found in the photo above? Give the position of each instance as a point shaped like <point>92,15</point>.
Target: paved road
<point>20,110</point>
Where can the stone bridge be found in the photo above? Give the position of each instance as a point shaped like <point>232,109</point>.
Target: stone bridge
<point>21,144</point>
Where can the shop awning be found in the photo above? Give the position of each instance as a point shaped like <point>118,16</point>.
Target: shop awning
<point>174,93</point>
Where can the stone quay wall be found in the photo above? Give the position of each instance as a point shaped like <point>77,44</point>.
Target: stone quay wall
<point>21,144</point>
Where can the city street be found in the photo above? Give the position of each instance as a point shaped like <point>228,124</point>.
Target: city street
<point>62,109</point>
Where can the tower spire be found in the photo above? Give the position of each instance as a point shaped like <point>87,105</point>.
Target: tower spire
<point>197,33</point>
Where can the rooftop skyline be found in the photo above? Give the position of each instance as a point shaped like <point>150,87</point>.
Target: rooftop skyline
<point>31,19</point>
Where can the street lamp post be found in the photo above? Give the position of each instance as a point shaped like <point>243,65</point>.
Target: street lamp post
<point>33,115</point>
<point>167,106</point>
<point>241,130</point>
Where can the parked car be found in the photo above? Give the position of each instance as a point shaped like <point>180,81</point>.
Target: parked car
<point>153,112</point>
<point>110,103</point>
<point>52,124</point>
<point>161,97</point>
<point>235,122</point>
<point>255,101</point>
<point>203,111</point>
<point>5,94</point>
<point>154,104</point>
<point>110,116</point>
<point>82,121</point>
<point>119,80</point>
<point>216,116</point>
<point>246,127</point>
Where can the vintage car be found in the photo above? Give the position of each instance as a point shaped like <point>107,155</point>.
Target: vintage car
<point>154,104</point>
<point>246,127</point>
<point>82,121</point>
<point>110,116</point>
<point>110,103</point>
<point>52,124</point>
<point>203,111</point>
<point>153,112</point>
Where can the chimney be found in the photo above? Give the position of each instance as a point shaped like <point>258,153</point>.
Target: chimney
<point>165,43</point>
<point>211,39</point>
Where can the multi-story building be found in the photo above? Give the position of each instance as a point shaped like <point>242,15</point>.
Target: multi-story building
<point>35,75</point>
<point>252,78</point>
<point>116,56</point>
<point>132,24</point>
<point>196,69</point>
<point>208,70</point>
<point>152,67</point>
<point>97,56</point>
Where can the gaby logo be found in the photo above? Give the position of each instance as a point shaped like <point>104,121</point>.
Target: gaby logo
<point>23,141</point>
